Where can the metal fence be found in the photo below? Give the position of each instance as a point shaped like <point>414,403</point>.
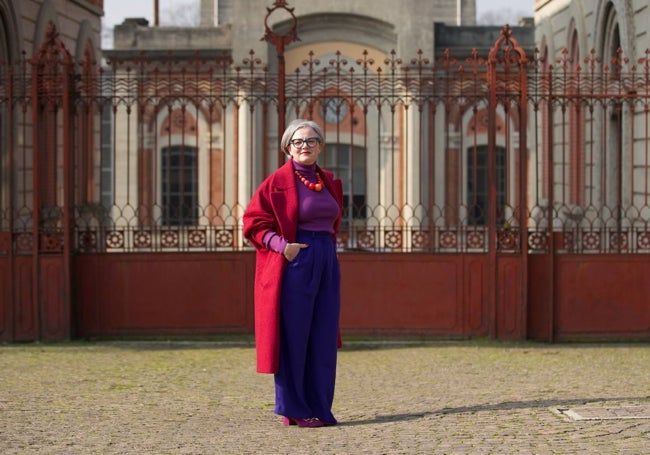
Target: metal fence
<point>161,152</point>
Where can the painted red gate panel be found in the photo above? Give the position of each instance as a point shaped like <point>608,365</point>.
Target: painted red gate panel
<point>24,310</point>
<point>407,293</point>
<point>603,296</point>
<point>509,324</point>
<point>175,293</point>
<point>54,316</point>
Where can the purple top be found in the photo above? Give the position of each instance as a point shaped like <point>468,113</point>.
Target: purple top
<point>317,210</point>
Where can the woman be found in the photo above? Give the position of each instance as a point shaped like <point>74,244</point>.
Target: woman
<point>292,221</point>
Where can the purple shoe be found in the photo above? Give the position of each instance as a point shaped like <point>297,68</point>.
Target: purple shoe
<point>311,422</point>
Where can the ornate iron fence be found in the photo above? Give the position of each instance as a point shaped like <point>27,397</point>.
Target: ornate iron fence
<point>161,152</point>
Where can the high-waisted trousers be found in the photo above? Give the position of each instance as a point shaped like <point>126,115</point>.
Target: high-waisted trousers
<point>310,305</point>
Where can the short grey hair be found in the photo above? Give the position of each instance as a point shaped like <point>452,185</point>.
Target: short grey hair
<point>294,126</point>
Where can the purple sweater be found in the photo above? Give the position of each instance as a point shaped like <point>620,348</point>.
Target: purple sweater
<point>317,210</point>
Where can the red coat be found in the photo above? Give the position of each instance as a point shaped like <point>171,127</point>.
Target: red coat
<point>274,206</point>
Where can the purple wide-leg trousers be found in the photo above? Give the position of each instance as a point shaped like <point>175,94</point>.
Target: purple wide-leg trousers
<point>310,305</point>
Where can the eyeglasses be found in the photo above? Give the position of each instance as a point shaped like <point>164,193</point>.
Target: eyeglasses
<point>310,141</point>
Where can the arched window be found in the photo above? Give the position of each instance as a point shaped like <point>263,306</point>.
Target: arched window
<point>476,169</point>
<point>478,185</point>
<point>179,179</point>
<point>576,153</point>
<point>542,164</point>
<point>179,169</point>
<point>611,156</point>
<point>4,149</point>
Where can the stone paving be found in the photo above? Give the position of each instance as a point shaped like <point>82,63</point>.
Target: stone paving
<point>410,397</point>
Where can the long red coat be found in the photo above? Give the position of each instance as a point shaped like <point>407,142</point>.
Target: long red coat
<point>274,206</point>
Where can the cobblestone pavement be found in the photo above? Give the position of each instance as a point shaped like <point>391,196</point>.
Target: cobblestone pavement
<point>465,397</point>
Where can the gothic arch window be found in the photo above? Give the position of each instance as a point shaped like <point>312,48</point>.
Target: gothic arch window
<point>93,170</point>
<point>611,40</point>
<point>544,170</point>
<point>87,131</point>
<point>611,157</point>
<point>4,39</point>
<point>11,43</point>
<point>4,122</point>
<point>576,158</point>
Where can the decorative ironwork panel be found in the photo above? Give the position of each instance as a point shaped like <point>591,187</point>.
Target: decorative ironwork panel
<point>436,154</point>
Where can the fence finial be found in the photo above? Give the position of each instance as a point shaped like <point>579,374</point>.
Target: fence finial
<point>280,41</point>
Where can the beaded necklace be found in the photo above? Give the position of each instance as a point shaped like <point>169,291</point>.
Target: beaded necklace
<point>318,186</point>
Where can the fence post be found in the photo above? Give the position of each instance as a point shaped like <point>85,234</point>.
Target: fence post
<point>52,82</point>
<point>279,42</point>
<point>511,83</point>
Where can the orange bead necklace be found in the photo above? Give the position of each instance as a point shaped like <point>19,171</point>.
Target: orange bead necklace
<point>318,186</point>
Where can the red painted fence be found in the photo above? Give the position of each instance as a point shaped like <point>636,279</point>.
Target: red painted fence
<point>123,189</point>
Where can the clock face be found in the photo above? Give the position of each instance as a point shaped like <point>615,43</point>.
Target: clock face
<point>335,109</point>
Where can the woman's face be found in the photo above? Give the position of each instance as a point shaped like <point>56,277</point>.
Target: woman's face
<point>306,152</point>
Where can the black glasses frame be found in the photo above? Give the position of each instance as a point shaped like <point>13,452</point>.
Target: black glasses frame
<point>310,141</point>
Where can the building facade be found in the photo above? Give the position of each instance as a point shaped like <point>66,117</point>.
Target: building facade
<point>600,143</point>
<point>601,26</point>
<point>27,23</point>
<point>378,146</point>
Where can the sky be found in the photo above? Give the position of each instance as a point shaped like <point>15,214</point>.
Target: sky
<point>115,11</point>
